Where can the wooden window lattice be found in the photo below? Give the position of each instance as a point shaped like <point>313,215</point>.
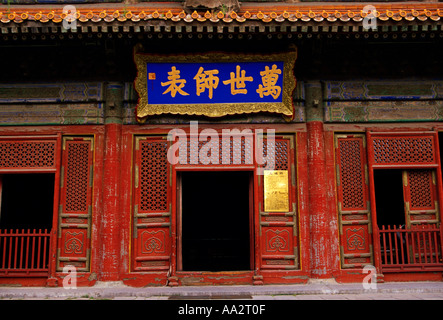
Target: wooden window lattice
<point>281,149</point>
<point>77,177</point>
<point>394,150</point>
<point>27,154</point>
<point>240,151</point>
<point>351,174</point>
<point>420,188</point>
<point>154,176</point>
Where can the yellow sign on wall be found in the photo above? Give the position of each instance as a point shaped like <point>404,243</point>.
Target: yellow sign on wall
<point>276,190</point>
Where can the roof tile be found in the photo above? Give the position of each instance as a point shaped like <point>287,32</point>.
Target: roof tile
<point>291,13</point>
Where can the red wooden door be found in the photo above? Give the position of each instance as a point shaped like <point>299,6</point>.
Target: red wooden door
<point>353,201</point>
<point>278,232</point>
<point>75,209</point>
<point>152,205</point>
<point>416,245</point>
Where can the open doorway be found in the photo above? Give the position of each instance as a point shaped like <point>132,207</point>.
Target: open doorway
<point>26,216</point>
<point>215,221</point>
<point>27,201</point>
<point>389,199</point>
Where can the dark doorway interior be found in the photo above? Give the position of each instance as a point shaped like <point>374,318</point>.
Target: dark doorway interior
<point>389,199</point>
<point>27,201</point>
<point>215,221</point>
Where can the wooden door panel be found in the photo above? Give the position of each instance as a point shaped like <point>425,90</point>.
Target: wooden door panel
<point>278,250</point>
<point>353,201</point>
<point>420,195</point>
<point>75,211</point>
<point>152,245</point>
<point>152,205</point>
<point>278,229</point>
<point>415,246</point>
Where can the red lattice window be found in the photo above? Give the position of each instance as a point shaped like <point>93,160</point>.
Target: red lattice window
<point>77,176</point>
<point>420,186</point>
<point>235,150</point>
<point>281,152</point>
<point>241,149</point>
<point>153,176</point>
<point>401,150</point>
<point>27,154</point>
<point>352,180</point>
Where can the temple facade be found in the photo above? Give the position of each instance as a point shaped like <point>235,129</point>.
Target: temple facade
<point>214,143</point>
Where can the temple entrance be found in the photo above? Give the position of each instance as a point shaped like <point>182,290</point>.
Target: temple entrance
<point>407,219</point>
<point>215,227</point>
<point>26,215</point>
<point>402,187</point>
<point>27,201</point>
<point>406,200</point>
<point>204,223</point>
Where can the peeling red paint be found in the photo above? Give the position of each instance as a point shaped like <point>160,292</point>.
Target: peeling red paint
<point>317,240</point>
<point>318,202</point>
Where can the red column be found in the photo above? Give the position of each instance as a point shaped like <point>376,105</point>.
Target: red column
<point>109,243</point>
<point>110,234</point>
<point>110,228</point>
<point>319,212</point>
<point>319,215</point>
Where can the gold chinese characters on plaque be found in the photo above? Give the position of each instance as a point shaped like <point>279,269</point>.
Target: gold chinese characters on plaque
<point>276,192</point>
<point>214,84</point>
